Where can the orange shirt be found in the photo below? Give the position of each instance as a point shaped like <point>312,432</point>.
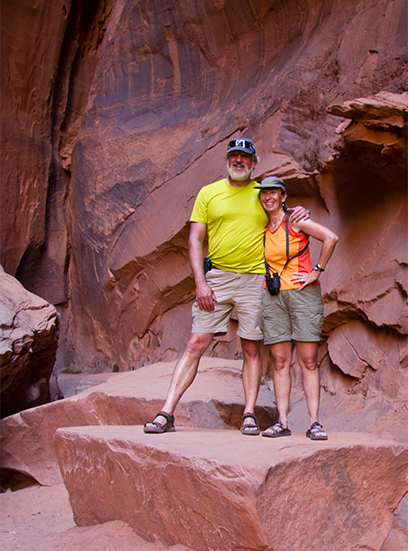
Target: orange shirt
<point>276,254</point>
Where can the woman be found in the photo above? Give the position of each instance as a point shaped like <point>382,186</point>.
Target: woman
<point>296,313</point>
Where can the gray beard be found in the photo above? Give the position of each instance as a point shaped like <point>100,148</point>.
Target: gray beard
<point>237,175</point>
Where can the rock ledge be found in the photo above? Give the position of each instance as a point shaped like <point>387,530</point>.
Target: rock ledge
<point>215,489</point>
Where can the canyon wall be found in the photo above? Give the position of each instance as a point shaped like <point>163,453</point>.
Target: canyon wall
<point>115,114</point>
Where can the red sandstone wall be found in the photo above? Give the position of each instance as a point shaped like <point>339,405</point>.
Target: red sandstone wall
<point>115,114</point>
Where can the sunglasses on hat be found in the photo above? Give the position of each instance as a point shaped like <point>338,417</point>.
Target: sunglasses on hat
<point>241,144</point>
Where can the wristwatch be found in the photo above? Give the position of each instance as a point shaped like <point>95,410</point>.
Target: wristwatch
<point>318,268</point>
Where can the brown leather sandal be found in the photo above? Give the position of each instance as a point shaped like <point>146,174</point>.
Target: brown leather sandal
<point>158,428</point>
<point>250,429</point>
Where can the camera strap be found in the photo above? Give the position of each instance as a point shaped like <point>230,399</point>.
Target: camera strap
<point>287,249</point>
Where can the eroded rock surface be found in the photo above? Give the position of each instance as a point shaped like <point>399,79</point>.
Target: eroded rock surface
<point>193,485</point>
<point>398,536</point>
<point>118,112</point>
<point>216,401</point>
<point>257,80</point>
<point>28,344</point>
<point>123,112</point>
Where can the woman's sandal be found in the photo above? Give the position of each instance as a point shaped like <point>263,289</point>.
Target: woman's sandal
<point>250,429</point>
<point>316,432</point>
<point>278,429</point>
<point>158,428</point>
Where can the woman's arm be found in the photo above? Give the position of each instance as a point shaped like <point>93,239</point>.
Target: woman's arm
<point>329,240</point>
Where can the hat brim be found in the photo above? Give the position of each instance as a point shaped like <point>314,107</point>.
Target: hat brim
<point>242,149</point>
<point>271,186</point>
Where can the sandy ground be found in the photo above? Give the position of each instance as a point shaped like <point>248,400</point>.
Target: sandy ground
<point>39,518</point>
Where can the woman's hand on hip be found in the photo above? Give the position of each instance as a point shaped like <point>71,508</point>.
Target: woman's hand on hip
<point>304,278</point>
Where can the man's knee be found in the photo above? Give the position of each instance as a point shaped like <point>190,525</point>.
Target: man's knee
<point>251,349</point>
<point>198,343</point>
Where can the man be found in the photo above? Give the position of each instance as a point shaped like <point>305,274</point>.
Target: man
<point>229,213</point>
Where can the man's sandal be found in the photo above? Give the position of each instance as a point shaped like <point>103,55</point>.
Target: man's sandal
<point>159,428</point>
<point>316,432</point>
<point>251,429</point>
<point>278,429</point>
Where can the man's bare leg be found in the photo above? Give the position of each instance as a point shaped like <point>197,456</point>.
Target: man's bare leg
<point>252,371</point>
<point>184,372</point>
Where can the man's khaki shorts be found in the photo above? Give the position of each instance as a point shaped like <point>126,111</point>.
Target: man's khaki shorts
<point>232,289</point>
<point>293,315</point>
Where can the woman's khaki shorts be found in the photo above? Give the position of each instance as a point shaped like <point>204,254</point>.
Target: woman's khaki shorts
<point>232,289</point>
<point>293,315</point>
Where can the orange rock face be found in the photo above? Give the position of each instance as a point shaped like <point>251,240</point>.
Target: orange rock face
<point>121,113</point>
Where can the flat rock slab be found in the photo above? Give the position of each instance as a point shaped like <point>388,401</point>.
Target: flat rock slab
<point>219,490</point>
<point>215,400</point>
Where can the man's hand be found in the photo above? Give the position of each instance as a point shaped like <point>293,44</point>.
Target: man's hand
<point>205,297</point>
<point>298,214</point>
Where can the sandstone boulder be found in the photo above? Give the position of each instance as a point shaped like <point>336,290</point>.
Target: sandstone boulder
<point>398,536</point>
<point>215,400</point>
<point>28,344</point>
<point>210,489</point>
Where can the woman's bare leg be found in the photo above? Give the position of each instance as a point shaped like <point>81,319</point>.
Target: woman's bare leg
<point>307,353</point>
<point>281,355</point>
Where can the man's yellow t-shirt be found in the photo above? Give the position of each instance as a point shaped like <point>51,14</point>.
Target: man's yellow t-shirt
<point>236,222</point>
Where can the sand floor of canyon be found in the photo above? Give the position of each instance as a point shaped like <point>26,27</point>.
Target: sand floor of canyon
<point>39,518</point>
